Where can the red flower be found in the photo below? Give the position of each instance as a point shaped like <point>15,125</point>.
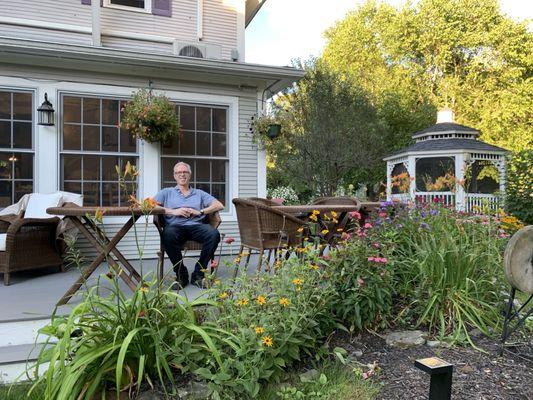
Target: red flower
<point>229,240</point>
<point>141,314</point>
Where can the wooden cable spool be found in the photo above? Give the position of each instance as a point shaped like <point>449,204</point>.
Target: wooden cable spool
<point>518,260</point>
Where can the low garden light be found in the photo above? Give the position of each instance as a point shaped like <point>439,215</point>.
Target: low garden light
<point>46,112</point>
<point>440,371</point>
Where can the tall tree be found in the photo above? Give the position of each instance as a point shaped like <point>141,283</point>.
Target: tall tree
<point>463,54</point>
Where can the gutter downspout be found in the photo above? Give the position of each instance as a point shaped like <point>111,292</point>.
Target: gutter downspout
<point>96,31</point>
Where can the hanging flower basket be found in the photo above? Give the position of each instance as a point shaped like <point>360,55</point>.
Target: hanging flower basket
<point>150,117</point>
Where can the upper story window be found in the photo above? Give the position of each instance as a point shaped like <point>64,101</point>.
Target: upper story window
<point>138,5</point>
<point>16,145</point>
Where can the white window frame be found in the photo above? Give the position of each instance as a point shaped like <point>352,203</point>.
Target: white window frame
<point>31,151</point>
<point>146,10</point>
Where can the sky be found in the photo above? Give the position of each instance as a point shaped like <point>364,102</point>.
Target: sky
<point>287,29</point>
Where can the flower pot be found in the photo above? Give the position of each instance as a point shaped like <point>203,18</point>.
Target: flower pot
<point>274,130</point>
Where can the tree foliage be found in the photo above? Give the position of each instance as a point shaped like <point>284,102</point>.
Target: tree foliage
<point>463,54</point>
<point>519,192</point>
<point>330,131</point>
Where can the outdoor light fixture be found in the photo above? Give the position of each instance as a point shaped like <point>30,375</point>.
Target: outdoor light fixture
<point>440,371</point>
<point>46,112</point>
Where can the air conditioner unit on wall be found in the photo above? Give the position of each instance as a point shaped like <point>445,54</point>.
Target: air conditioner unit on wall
<point>197,50</point>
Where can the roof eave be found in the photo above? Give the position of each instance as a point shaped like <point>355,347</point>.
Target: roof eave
<point>252,8</point>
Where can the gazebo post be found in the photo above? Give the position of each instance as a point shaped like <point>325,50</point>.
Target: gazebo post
<point>390,167</point>
<point>460,192</point>
<point>411,167</point>
<point>501,170</point>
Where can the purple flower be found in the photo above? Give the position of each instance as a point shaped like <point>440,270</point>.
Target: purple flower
<point>424,214</point>
<point>434,212</point>
<point>425,226</point>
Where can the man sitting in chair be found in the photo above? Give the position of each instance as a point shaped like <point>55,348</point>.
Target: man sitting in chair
<point>185,210</point>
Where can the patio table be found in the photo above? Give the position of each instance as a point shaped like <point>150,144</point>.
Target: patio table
<point>306,209</point>
<point>81,219</point>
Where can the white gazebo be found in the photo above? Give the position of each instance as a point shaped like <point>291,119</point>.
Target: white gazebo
<point>448,163</point>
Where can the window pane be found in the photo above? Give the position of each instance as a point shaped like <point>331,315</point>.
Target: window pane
<point>91,194</point>
<point>219,119</point>
<point>73,187</point>
<point>23,165</point>
<point>91,168</point>
<point>109,112</point>
<point>5,166</point>
<point>22,188</point>
<point>91,138</point>
<point>109,172</point>
<point>5,193</point>
<point>22,106</point>
<point>129,3</point>
<point>22,135</point>
<point>204,186</point>
<point>128,143</point>
<point>71,137</point>
<point>71,167</point>
<point>170,146</point>
<point>71,109</point>
<point>203,119</point>
<point>187,144</point>
<point>109,139</point>
<point>400,180</point>
<point>91,110</point>
<point>5,105</point>
<point>203,144</point>
<point>219,144</point>
<point>5,134</point>
<point>187,117</point>
<point>110,194</point>
<point>202,173</point>
<point>219,171</point>
<point>482,177</point>
<point>218,191</point>
<point>168,171</point>
<point>435,174</point>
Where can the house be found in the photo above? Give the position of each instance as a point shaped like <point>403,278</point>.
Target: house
<point>88,57</point>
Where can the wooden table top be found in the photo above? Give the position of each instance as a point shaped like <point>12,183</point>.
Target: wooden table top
<point>308,208</point>
<point>73,211</point>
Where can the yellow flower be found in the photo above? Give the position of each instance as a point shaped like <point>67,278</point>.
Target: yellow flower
<point>217,282</point>
<point>324,231</point>
<point>313,217</point>
<point>277,264</point>
<point>237,260</point>
<point>144,289</point>
<point>316,212</point>
<point>300,230</point>
<point>334,214</point>
<point>98,215</point>
<point>242,302</point>
<point>297,281</point>
<point>313,266</point>
<point>284,302</point>
<point>339,229</point>
<point>267,341</point>
<point>261,300</point>
<point>259,330</point>
<point>223,295</point>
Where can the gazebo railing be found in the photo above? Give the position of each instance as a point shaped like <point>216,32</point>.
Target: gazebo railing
<point>476,201</point>
<point>446,198</point>
<point>401,197</point>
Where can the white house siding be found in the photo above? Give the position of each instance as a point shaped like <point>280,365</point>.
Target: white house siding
<point>47,143</point>
<point>219,23</point>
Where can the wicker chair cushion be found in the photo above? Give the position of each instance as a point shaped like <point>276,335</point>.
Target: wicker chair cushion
<point>38,204</point>
<point>3,237</point>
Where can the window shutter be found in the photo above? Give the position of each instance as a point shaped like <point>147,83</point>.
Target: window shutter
<point>87,2</point>
<point>162,7</point>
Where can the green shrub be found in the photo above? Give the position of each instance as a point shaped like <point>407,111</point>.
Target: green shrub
<point>519,188</point>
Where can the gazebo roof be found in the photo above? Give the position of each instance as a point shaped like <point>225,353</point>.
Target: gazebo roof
<point>448,144</point>
<point>445,127</point>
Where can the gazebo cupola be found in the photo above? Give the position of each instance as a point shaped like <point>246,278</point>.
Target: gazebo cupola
<point>448,163</point>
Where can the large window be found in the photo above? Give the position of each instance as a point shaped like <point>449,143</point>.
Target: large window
<point>92,145</point>
<point>16,145</point>
<point>202,143</point>
<point>141,5</point>
<point>435,174</point>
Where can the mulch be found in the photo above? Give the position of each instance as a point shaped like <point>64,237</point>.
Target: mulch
<point>476,375</point>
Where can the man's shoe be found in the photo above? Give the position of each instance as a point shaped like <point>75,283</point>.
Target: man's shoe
<point>198,280</point>
<point>182,281</point>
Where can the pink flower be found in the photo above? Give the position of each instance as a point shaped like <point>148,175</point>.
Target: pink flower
<point>365,375</point>
<point>367,226</point>
<point>360,281</point>
<point>383,260</point>
<point>361,233</point>
<point>229,240</point>
<point>345,236</point>
<point>214,263</point>
<point>382,273</point>
<point>376,245</point>
<point>354,215</point>
<point>382,214</point>
<point>371,259</point>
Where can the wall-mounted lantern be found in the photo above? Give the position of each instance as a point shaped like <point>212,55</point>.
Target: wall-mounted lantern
<point>46,112</point>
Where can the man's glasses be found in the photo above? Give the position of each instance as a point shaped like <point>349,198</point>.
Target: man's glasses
<point>182,173</point>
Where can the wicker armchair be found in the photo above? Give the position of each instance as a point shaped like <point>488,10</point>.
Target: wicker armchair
<point>159,221</point>
<point>262,227</point>
<point>30,244</point>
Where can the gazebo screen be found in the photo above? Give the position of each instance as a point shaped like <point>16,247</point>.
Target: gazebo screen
<point>399,179</point>
<point>435,174</point>
<point>482,177</point>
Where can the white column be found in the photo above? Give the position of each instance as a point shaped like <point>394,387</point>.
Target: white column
<point>460,193</point>
<point>390,166</point>
<point>501,169</point>
<point>96,30</point>
<point>200,19</point>
<point>46,144</point>
<point>149,180</point>
<point>411,169</point>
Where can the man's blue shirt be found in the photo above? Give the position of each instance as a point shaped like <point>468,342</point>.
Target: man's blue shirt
<point>173,198</point>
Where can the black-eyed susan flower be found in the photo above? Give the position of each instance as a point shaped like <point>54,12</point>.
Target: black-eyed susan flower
<point>267,341</point>
<point>261,300</point>
<point>259,330</point>
<point>284,302</point>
